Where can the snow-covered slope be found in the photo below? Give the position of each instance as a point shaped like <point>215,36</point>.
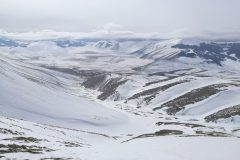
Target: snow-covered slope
<point>25,94</point>
<point>87,98</point>
<point>24,139</point>
<point>161,49</point>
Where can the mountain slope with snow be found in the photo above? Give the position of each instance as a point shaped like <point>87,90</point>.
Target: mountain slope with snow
<point>25,97</point>
<point>88,98</point>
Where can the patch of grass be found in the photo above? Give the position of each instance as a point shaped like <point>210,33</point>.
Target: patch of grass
<point>223,114</point>
<point>24,139</point>
<point>151,93</point>
<point>159,81</point>
<point>109,88</point>
<point>95,81</point>
<point>167,132</point>
<point>194,96</point>
<point>170,72</point>
<point>236,130</point>
<point>192,125</point>
<point>14,148</point>
<point>164,132</point>
<point>71,144</point>
<point>212,134</point>
<point>8,131</point>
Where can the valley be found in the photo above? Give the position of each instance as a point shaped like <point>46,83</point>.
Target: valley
<point>114,99</point>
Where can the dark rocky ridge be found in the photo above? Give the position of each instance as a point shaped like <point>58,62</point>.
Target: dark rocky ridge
<point>151,93</point>
<point>109,88</point>
<point>196,95</point>
<point>95,81</point>
<point>212,52</point>
<point>224,114</point>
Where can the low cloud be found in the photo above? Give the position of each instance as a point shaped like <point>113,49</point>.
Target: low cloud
<point>112,31</point>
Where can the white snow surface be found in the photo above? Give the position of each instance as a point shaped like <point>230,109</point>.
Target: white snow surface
<point>24,99</point>
<point>51,105</point>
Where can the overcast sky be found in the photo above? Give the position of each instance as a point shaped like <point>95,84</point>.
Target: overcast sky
<point>135,15</point>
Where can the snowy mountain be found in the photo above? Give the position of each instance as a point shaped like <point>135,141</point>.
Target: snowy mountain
<point>107,45</point>
<point>212,52</point>
<point>108,98</point>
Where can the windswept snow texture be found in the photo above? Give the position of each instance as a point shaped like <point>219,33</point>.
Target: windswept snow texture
<point>23,98</point>
<point>113,98</point>
<point>23,139</point>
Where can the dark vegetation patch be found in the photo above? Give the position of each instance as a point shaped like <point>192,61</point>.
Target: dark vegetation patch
<point>151,93</point>
<point>212,134</point>
<point>223,114</point>
<point>192,125</point>
<point>109,87</point>
<point>164,132</point>
<point>169,72</point>
<point>138,68</point>
<point>14,148</point>
<point>236,130</point>
<point>71,144</point>
<point>159,81</point>
<point>24,139</point>
<point>94,81</point>
<point>8,131</point>
<point>75,71</point>
<point>194,96</point>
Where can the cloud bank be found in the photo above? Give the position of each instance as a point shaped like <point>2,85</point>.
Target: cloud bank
<point>135,15</point>
<point>111,31</point>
